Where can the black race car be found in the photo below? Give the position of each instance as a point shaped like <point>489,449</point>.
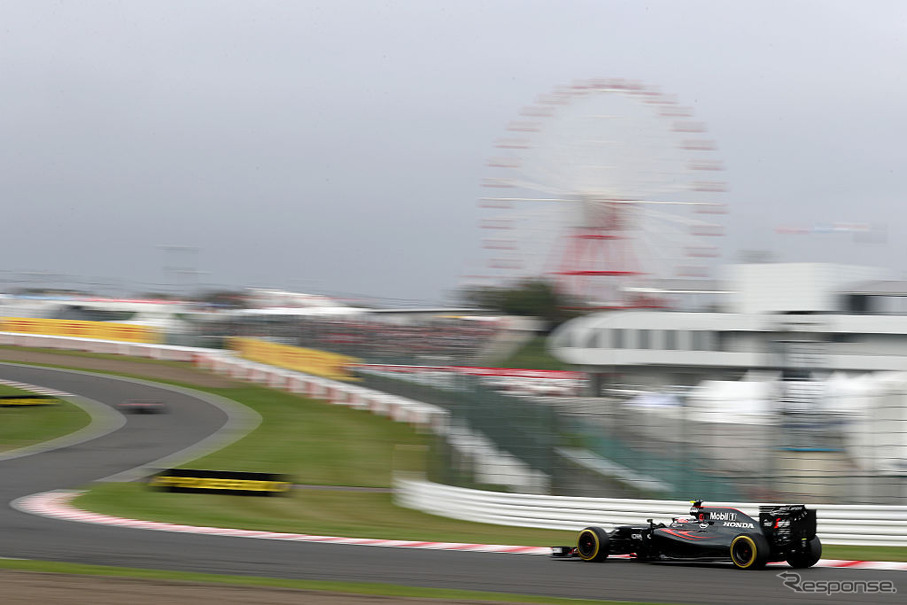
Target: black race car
<point>142,406</point>
<point>782,533</point>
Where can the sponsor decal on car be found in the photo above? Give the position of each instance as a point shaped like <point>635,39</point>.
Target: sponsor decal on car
<point>723,516</point>
<point>738,524</point>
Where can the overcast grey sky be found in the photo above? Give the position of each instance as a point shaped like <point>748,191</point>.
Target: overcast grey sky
<point>338,146</point>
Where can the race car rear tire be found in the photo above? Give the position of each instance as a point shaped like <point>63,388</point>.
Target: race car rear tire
<point>750,551</point>
<point>806,558</point>
<point>593,544</point>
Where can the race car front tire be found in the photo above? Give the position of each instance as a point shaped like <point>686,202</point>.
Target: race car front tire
<point>806,558</point>
<point>593,544</point>
<point>750,551</point>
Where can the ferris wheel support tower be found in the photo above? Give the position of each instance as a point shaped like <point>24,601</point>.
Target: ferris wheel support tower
<point>601,186</point>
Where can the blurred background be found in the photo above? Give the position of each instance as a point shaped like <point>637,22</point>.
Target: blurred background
<point>684,217</point>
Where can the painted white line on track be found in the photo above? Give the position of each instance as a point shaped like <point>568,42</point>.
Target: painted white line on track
<point>56,504</point>
<point>34,389</point>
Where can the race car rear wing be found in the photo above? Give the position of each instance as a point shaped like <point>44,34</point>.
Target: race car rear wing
<point>788,524</point>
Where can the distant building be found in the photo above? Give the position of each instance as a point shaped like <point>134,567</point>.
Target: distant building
<point>812,319</point>
<point>262,298</point>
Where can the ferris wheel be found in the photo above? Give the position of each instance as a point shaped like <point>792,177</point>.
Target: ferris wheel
<point>608,188</point>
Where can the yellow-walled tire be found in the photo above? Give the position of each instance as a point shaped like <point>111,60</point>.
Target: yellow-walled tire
<point>749,551</point>
<point>592,544</point>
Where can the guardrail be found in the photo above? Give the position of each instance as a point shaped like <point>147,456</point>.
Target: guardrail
<point>838,524</point>
<point>399,409</point>
<point>110,347</point>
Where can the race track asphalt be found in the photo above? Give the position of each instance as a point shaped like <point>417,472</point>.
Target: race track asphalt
<point>147,438</point>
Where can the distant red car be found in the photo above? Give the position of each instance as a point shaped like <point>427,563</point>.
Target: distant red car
<point>142,406</point>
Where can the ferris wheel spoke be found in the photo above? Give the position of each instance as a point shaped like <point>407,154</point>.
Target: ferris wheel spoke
<point>518,183</point>
<point>687,220</point>
<point>606,184</point>
<point>526,199</point>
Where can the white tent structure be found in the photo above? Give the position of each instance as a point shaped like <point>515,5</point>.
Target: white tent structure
<point>732,402</point>
<point>737,422</point>
<point>873,409</point>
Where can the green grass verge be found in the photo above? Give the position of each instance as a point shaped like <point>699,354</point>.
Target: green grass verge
<point>6,390</point>
<point>322,444</point>
<point>21,426</point>
<point>864,553</point>
<point>356,588</point>
<point>352,514</point>
<point>308,511</point>
<point>316,443</point>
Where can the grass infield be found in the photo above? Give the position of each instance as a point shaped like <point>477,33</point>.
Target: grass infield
<point>352,588</point>
<point>6,390</point>
<point>22,425</point>
<point>327,445</point>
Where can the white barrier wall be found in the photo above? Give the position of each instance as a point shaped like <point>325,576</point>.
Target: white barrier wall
<point>838,524</point>
<point>109,347</point>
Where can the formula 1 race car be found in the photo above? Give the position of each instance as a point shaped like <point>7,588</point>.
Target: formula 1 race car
<point>783,533</point>
<point>142,406</point>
